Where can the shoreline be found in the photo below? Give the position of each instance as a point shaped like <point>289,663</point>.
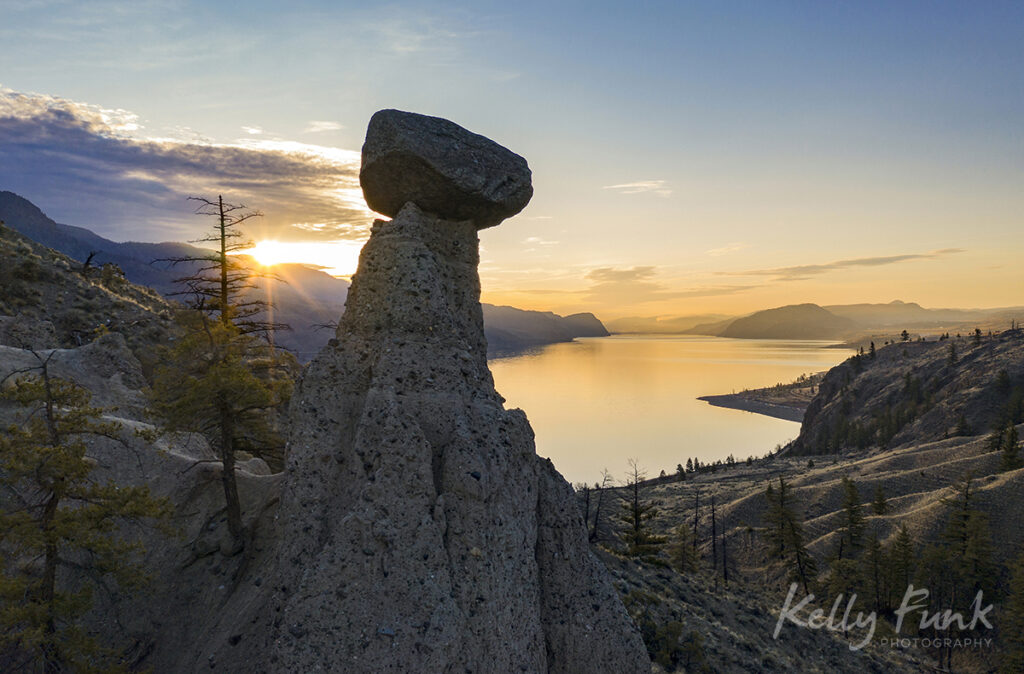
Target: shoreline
<point>737,401</point>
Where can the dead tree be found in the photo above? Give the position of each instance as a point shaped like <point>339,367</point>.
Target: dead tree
<point>602,489</point>
<point>220,285</point>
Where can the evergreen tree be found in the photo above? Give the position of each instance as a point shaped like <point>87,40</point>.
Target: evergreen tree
<point>872,353</point>
<point>873,571</point>
<point>640,540</point>
<point>681,552</point>
<point>853,517</point>
<point>905,336</point>
<point>963,428</point>
<point>953,358</point>
<point>1010,447</point>
<point>784,533</point>
<point>226,386</point>
<point>967,542</point>
<point>56,514</point>
<point>902,559</point>
<point>879,506</point>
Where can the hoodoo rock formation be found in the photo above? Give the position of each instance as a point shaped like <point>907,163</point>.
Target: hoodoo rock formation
<point>422,533</point>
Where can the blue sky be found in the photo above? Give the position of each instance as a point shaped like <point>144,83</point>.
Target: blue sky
<point>676,144</point>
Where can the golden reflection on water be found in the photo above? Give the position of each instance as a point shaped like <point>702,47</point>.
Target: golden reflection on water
<point>594,403</point>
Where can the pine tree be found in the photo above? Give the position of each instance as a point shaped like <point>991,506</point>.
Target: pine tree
<point>784,533</point>
<point>640,540</point>
<point>57,512</point>
<point>853,517</point>
<point>1010,447</point>
<point>902,559</point>
<point>874,572</point>
<point>872,353</point>
<point>224,385</point>
<point>963,428</point>
<point>681,553</point>
<point>879,506</point>
<point>968,542</point>
<point>953,358</point>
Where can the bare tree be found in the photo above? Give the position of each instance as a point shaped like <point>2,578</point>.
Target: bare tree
<point>714,543</point>
<point>220,282</point>
<point>602,488</point>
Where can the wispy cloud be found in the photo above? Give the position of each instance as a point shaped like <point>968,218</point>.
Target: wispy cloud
<point>252,130</point>
<point>806,271</point>
<point>91,166</point>
<point>725,250</point>
<point>637,285</point>
<point>658,187</point>
<point>537,241</point>
<point>612,275</point>
<point>321,126</point>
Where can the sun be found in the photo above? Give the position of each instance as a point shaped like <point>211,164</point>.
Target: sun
<point>337,258</point>
<point>268,252</point>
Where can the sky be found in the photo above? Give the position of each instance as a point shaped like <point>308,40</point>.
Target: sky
<point>687,158</point>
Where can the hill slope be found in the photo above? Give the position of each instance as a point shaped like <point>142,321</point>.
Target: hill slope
<point>509,330</point>
<point>914,392</point>
<point>47,302</point>
<point>798,321</point>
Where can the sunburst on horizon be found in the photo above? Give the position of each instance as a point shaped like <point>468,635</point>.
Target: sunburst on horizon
<point>337,258</point>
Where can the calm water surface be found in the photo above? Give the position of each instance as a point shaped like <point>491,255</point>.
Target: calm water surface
<point>594,403</point>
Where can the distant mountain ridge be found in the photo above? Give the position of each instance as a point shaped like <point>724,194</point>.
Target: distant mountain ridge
<point>509,329</point>
<point>833,322</point>
<point>309,300</point>
<point>798,321</point>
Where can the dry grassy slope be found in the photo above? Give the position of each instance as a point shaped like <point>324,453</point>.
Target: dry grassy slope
<point>40,284</point>
<point>737,623</point>
<point>859,398</point>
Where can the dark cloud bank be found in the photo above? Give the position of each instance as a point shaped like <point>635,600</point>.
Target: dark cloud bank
<point>91,167</point>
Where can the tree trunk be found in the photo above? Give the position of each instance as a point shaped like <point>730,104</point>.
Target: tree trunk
<point>696,507</point>
<point>227,455</point>
<point>725,553</point>
<point>714,543</point>
<point>225,315</point>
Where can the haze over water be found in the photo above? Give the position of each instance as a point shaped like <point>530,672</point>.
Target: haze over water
<point>594,403</point>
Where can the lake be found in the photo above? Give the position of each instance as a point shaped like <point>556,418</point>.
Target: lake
<point>594,403</point>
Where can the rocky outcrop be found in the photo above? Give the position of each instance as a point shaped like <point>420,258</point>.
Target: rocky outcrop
<point>25,332</point>
<point>423,532</point>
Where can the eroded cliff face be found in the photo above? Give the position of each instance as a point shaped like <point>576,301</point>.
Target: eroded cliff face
<point>421,532</point>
